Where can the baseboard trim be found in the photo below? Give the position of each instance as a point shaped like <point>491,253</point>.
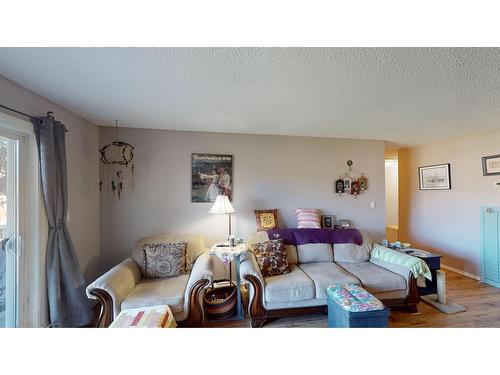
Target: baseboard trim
<point>466,274</point>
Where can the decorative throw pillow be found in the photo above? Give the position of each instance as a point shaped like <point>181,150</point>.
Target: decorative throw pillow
<point>164,259</point>
<point>266,219</point>
<point>271,257</point>
<point>308,218</point>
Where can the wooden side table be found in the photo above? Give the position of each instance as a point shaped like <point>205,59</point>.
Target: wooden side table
<point>232,254</point>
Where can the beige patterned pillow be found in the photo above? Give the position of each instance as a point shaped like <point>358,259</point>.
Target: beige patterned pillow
<point>164,259</point>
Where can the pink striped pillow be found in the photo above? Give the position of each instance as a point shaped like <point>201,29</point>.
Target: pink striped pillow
<point>308,218</point>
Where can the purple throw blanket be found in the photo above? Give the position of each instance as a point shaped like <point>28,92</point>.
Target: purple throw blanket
<point>307,235</point>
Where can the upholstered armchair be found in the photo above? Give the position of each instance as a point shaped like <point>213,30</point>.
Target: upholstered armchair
<point>123,287</point>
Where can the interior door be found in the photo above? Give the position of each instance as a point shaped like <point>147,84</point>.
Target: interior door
<point>9,228</point>
<point>490,245</point>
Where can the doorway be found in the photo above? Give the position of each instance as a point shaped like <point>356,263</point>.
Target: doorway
<point>392,198</point>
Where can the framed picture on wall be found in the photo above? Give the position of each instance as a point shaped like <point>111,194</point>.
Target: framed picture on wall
<point>435,177</point>
<point>211,174</point>
<point>491,165</point>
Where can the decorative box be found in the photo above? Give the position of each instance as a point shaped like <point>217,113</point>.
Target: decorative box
<point>350,306</point>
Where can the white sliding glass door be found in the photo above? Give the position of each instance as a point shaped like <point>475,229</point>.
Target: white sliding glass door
<point>9,229</point>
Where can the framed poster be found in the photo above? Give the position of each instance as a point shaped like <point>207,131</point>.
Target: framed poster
<point>491,165</point>
<point>435,177</point>
<point>211,174</point>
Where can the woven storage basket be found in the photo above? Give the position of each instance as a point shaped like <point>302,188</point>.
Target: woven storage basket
<point>220,301</point>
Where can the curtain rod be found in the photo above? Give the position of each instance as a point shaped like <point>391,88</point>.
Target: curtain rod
<point>49,114</point>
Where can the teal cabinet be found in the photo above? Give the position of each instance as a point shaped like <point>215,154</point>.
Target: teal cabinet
<point>490,246</point>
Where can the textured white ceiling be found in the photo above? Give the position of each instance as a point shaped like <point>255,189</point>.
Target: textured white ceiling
<point>407,96</point>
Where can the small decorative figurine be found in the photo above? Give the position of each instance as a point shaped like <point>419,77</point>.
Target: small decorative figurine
<point>355,188</point>
<point>339,186</point>
<point>347,184</point>
<point>363,183</point>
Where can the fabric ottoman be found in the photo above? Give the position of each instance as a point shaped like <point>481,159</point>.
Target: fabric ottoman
<point>350,306</point>
<point>159,316</point>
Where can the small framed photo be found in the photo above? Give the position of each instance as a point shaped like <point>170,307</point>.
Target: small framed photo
<point>344,223</point>
<point>435,177</point>
<point>327,221</point>
<point>491,165</point>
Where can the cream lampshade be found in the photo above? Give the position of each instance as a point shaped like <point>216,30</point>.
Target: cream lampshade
<point>222,206</point>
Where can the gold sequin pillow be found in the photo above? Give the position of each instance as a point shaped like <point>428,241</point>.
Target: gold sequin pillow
<point>271,257</point>
<point>164,259</point>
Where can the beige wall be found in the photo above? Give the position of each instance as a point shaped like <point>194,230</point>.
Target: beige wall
<point>269,172</point>
<point>447,222</point>
<point>83,173</point>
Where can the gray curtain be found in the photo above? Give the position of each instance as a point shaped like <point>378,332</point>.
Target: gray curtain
<point>68,304</point>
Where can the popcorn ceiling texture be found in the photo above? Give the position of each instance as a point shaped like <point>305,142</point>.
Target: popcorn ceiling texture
<point>407,96</point>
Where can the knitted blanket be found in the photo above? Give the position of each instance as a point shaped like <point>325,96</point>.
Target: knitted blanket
<point>416,265</point>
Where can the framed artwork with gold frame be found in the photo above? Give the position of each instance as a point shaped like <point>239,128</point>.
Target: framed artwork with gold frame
<point>266,219</point>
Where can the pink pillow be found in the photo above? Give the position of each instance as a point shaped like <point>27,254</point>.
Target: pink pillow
<point>308,218</point>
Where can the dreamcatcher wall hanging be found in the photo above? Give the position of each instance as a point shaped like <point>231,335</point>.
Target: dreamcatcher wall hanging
<point>118,165</point>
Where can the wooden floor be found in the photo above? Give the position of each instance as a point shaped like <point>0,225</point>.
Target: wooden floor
<point>481,301</point>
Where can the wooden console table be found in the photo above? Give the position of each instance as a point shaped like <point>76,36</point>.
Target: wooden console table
<point>433,262</point>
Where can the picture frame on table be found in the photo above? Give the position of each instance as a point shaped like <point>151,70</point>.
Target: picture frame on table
<point>327,221</point>
<point>344,223</point>
<point>491,165</point>
<point>435,177</point>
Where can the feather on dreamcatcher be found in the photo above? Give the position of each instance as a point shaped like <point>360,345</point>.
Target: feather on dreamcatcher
<point>118,164</point>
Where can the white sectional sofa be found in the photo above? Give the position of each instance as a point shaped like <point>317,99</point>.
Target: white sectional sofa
<point>315,266</point>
